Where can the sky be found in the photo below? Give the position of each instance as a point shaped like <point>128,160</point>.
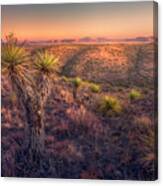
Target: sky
<point>60,21</point>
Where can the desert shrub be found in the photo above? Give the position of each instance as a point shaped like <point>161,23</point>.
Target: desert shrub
<point>110,105</point>
<point>95,88</point>
<point>135,94</point>
<point>83,117</point>
<point>77,82</point>
<point>144,142</point>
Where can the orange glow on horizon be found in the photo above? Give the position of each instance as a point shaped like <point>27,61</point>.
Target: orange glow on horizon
<point>110,20</point>
<point>25,33</point>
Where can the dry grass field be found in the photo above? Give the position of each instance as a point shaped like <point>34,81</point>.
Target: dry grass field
<point>100,118</point>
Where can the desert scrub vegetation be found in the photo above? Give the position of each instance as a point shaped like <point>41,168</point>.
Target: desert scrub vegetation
<point>95,88</point>
<point>136,57</point>
<point>119,137</point>
<point>135,95</point>
<point>77,81</point>
<point>144,141</point>
<point>110,105</point>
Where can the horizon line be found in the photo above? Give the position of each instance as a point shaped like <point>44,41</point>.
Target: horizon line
<point>84,37</point>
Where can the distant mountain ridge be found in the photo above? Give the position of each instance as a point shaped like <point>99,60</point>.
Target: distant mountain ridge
<point>96,40</point>
<point>91,40</point>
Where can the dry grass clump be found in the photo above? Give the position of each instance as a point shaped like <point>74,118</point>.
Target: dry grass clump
<point>82,117</point>
<point>135,94</point>
<point>95,88</point>
<point>142,140</point>
<point>110,105</point>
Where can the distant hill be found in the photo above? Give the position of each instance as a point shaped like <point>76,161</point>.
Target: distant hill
<point>93,40</point>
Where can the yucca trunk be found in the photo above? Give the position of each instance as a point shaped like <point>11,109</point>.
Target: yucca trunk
<point>33,106</point>
<point>37,133</point>
<point>37,128</point>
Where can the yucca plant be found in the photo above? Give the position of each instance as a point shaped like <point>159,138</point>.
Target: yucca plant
<point>14,60</point>
<point>95,88</point>
<point>135,94</point>
<point>77,81</point>
<point>45,66</point>
<point>45,62</point>
<point>110,105</point>
<point>31,92</point>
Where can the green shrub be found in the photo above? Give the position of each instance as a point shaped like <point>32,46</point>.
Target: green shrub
<point>95,88</point>
<point>110,105</point>
<point>135,94</point>
<point>77,81</point>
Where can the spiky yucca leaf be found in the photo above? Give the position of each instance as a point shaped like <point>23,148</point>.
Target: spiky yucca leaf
<point>45,62</point>
<point>15,63</point>
<point>110,103</point>
<point>13,55</point>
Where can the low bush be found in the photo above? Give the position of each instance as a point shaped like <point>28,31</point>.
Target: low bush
<point>95,88</point>
<point>135,94</point>
<point>110,105</point>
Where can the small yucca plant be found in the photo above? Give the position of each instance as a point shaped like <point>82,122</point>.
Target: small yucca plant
<point>77,81</point>
<point>95,88</point>
<point>110,105</point>
<point>135,94</point>
<point>76,84</point>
